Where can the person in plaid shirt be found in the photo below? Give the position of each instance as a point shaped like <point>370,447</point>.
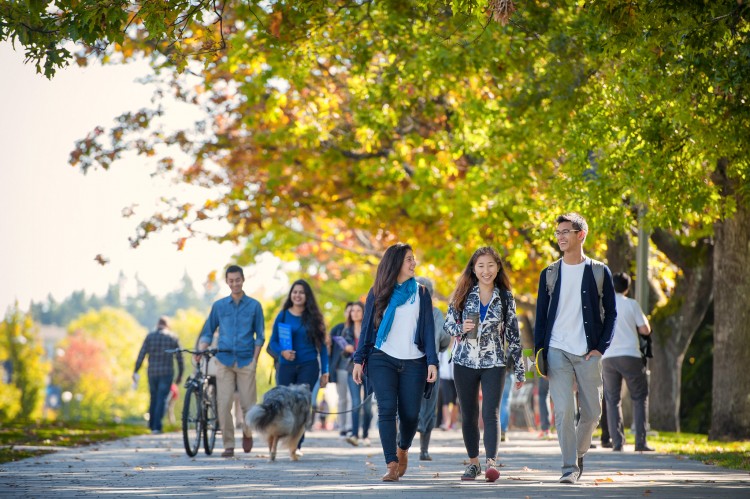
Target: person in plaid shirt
<point>160,370</point>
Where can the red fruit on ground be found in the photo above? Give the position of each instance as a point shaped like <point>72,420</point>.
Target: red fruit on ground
<point>491,475</point>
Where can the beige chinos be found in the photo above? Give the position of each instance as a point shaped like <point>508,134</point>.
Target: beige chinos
<point>229,379</point>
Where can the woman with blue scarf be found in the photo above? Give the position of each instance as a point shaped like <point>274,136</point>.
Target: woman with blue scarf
<point>396,353</point>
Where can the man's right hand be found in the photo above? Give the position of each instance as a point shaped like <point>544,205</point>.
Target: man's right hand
<point>289,355</point>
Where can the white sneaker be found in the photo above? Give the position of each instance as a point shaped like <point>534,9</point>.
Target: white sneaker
<point>569,477</point>
<point>365,442</point>
<point>352,440</point>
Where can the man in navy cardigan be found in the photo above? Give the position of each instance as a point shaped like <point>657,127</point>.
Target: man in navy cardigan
<point>574,326</point>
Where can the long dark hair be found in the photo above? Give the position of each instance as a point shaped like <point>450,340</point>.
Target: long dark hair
<point>386,277</point>
<point>312,319</point>
<point>468,280</point>
<point>349,321</point>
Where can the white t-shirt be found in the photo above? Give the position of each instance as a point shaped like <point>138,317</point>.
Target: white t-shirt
<point>400,341</point>
<point>567,331</point>
<point>625,336</point>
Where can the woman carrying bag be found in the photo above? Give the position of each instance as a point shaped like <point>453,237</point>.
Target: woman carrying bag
<point>397,345</point>
<point>482,315</point>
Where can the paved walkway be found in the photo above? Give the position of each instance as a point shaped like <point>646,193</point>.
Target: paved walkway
<point>157,466</point>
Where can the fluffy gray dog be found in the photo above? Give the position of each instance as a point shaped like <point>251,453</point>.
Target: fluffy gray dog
<point>284,413</point>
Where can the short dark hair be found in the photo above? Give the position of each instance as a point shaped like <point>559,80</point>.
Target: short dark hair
<point>579,223</point>
<point>621,280</point>
<point>232,269</point>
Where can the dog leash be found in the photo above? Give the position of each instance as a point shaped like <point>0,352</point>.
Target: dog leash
<point>350,410</point>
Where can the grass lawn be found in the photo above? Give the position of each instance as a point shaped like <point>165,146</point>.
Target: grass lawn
<point>58,434</point>
<point>735,455</point>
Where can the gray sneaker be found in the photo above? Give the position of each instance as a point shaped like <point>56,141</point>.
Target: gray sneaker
<point>472,471</point>
<point>569,477</point>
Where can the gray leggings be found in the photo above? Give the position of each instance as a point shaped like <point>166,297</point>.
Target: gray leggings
<point>467,382</point>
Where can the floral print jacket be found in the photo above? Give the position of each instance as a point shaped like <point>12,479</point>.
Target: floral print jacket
<point>497,328</point>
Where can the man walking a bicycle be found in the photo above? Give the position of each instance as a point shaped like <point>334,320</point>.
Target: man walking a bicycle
<point>239,320</point>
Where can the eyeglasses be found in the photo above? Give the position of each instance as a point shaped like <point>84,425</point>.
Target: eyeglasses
<point>565,232</point>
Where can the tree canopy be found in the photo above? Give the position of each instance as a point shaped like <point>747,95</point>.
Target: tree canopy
<point>332,129</point>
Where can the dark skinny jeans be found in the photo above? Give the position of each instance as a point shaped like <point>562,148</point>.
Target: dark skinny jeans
<point>467,387</point>
<point>399,387</point>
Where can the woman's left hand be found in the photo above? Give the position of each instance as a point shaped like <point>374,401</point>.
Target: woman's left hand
<point>323,380</point>
<point>431,374</point>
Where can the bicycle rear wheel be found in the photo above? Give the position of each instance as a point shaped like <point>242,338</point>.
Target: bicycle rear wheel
<point>211,418</point>
<point>192,424</point>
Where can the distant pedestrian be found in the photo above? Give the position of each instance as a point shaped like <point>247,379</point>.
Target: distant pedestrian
<point>239,319</point>
<point>507,397</point>
<point>160,370</point>
<point>428,409</point>
<point>573,327</point>
<point>398,347</point>
<point>482,316</point>
<point>448,397</point>
<point>361,416</point>
<point>303,357</point>
<point>544,407</point>
<point>623,360</point>
<point>339,374</point>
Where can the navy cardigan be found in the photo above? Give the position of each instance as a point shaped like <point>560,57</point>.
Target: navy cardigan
<point>598,331</point>
<point>424,338</point>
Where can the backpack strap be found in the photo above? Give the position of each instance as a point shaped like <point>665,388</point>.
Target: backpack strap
<point>598,268</point>
<point>551,276</point>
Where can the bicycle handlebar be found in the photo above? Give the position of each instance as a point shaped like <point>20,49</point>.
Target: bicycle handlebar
<point>207,352</point>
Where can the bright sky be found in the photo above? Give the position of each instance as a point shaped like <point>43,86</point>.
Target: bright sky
<point>53,219</point>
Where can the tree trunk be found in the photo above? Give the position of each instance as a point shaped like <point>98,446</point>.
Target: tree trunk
<point>675,323</point>
<point>620,253</point>
<point>730,414</point>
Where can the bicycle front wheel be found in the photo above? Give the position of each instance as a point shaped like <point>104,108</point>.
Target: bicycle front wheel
<point>211,418</point>
<point>192,424</point>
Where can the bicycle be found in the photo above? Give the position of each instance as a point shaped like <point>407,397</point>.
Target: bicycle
<point>199,413</point>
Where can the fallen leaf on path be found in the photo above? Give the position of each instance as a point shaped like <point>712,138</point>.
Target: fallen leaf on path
<point>604,480</point>
<point>526,468</point>
<point>628,474</point>
<point>138,468</point>
<point>436,475</point>
<point>646,492</point>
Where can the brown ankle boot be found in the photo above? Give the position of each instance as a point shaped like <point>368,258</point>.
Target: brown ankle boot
<point>403,460</point>
<point>392,473</point>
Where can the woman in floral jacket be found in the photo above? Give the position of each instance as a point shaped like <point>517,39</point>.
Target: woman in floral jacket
<point>482,315</point>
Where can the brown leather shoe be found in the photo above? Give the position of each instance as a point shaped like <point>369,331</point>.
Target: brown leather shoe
<point>392,474</point>
<point>228,453</point>
<point>247,444</point>
<point>403,460</point>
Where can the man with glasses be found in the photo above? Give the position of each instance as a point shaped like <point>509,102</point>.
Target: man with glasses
<point>575,318</point>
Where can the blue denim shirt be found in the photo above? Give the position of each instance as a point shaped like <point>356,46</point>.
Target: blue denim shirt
<point>240,329</point>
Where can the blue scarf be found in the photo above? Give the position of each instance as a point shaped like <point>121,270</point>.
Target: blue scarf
<point>407,290</point>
